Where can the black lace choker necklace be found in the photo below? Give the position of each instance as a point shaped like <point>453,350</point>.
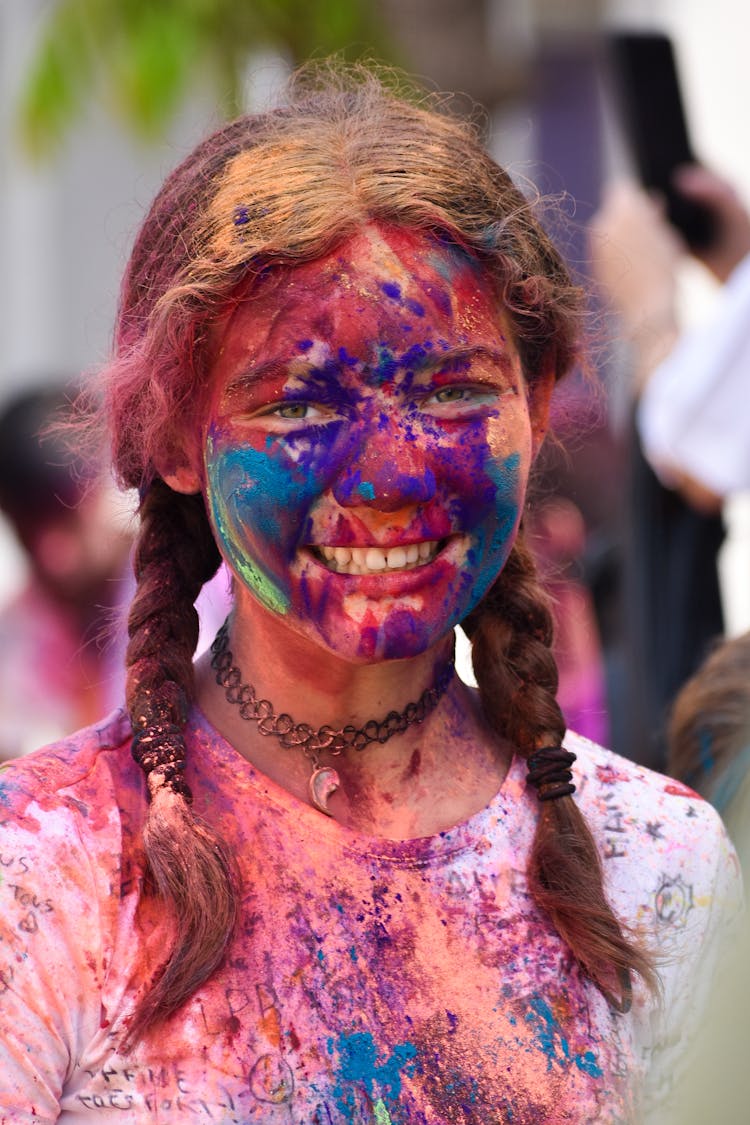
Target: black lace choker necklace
<point>324,780</point>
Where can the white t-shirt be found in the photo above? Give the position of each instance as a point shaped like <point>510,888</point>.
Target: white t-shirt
<point>370,981</point>
<point>693,413</point>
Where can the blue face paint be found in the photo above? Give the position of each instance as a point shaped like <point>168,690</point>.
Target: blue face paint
<point>333,431</point>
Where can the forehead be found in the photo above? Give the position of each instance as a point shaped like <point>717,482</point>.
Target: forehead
<point>387,261</point>
<point>383,286</point>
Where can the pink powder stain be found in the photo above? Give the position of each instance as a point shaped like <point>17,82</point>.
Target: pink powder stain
<point>677,789</point>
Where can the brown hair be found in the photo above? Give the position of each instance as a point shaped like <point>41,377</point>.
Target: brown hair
<point>285,187</point>
<point>709,726</point>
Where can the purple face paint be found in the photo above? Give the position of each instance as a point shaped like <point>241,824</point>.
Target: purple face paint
<point>368,443</point>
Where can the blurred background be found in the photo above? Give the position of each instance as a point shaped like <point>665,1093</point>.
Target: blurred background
<point>100,98</point>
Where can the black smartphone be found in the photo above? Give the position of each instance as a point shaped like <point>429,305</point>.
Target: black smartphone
<point>647,87</point>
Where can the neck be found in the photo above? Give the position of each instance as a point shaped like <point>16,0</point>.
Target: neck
<point>303,679</point>
<point>413,783</point>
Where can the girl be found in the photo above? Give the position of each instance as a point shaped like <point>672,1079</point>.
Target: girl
<point>315,878</point>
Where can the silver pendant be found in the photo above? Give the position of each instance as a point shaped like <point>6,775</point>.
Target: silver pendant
<point>323,783</point>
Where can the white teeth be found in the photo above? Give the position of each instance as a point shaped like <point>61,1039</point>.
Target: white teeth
<point>396,558</point>
<point>374,560</point>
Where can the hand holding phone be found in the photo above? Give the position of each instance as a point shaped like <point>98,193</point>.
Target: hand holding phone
<point>647,82</point>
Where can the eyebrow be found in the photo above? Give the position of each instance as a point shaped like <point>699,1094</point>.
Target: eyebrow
<point>430,360</point>
<point>433,360</point>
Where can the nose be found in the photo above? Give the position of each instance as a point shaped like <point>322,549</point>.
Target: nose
<point>387,470</point>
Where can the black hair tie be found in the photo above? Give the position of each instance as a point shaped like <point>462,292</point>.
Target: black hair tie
<point>550,773</point>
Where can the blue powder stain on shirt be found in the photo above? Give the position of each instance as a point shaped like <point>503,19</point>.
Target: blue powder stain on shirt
<point>548,1032</point>
<point>391,289</point>
<point>353,954</point>
<point>304,345</point>
<point>358,1062</point>
<point>366,490</point>
<point>321,955</point>
<point>588,1064</point>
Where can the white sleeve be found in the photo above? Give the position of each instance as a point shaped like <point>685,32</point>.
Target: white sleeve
<point>51,963</point>
<point>693,412</point>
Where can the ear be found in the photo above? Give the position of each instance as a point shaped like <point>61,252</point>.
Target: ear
<point>182,479</point>
<point>178,467</point>
<point>539,397</point>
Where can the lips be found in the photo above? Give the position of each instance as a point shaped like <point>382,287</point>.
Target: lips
<point>372,559</point>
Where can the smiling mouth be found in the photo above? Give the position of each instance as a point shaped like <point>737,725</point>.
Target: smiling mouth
<point>378,560</point>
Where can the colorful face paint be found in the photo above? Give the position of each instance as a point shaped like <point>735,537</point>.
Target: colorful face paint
<point>368,443</point>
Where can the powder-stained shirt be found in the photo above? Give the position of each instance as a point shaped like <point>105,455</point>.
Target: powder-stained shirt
<point>370,980</point>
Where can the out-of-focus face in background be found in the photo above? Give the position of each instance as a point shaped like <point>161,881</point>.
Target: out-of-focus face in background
<point>66,515</point>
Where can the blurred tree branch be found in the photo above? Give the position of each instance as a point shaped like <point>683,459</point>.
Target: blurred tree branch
<point>141,57</point>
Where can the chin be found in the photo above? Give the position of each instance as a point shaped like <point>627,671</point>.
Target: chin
<point>400,637</point>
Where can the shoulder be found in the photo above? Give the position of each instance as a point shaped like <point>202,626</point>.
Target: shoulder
<point>604,779</point>
<point>78,775</point>
<point>68,815</point>
<point>671,875</point>
<point>651,829</point>
<point>64,817</point>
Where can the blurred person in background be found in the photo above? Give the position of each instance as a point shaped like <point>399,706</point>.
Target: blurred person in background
<point>689,441</point>
<point>709,737</point>
<point>691,386</point>
<point>61,635</point>
<point>709,749</point>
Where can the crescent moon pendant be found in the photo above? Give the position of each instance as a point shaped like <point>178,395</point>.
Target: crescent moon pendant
<point>323,783</point>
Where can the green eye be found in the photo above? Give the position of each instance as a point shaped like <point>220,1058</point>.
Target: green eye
<point>292,410</point>
<point>450,394</point>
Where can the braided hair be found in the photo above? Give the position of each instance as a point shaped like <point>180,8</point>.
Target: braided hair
<point>285,187</point>
<point>175,554</point>
<point>511,631</point>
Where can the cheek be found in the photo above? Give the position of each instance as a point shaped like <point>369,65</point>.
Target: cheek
<point>261,497</point>
<point>486,484</point>
<point>492,514</point>
<point>509,479</point>
<point>488,496</point>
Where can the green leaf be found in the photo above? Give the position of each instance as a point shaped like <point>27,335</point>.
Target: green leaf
<point>150,66</point>
<point>58,79</point>
<point>141,57</point>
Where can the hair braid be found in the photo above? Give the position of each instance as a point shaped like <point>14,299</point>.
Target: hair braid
<point>190,867</point>
<point>511,633</point>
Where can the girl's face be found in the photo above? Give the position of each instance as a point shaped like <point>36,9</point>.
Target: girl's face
<point>368,443</point>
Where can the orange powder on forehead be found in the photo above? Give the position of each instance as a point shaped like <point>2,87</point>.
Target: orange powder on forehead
<point>284,196</point>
